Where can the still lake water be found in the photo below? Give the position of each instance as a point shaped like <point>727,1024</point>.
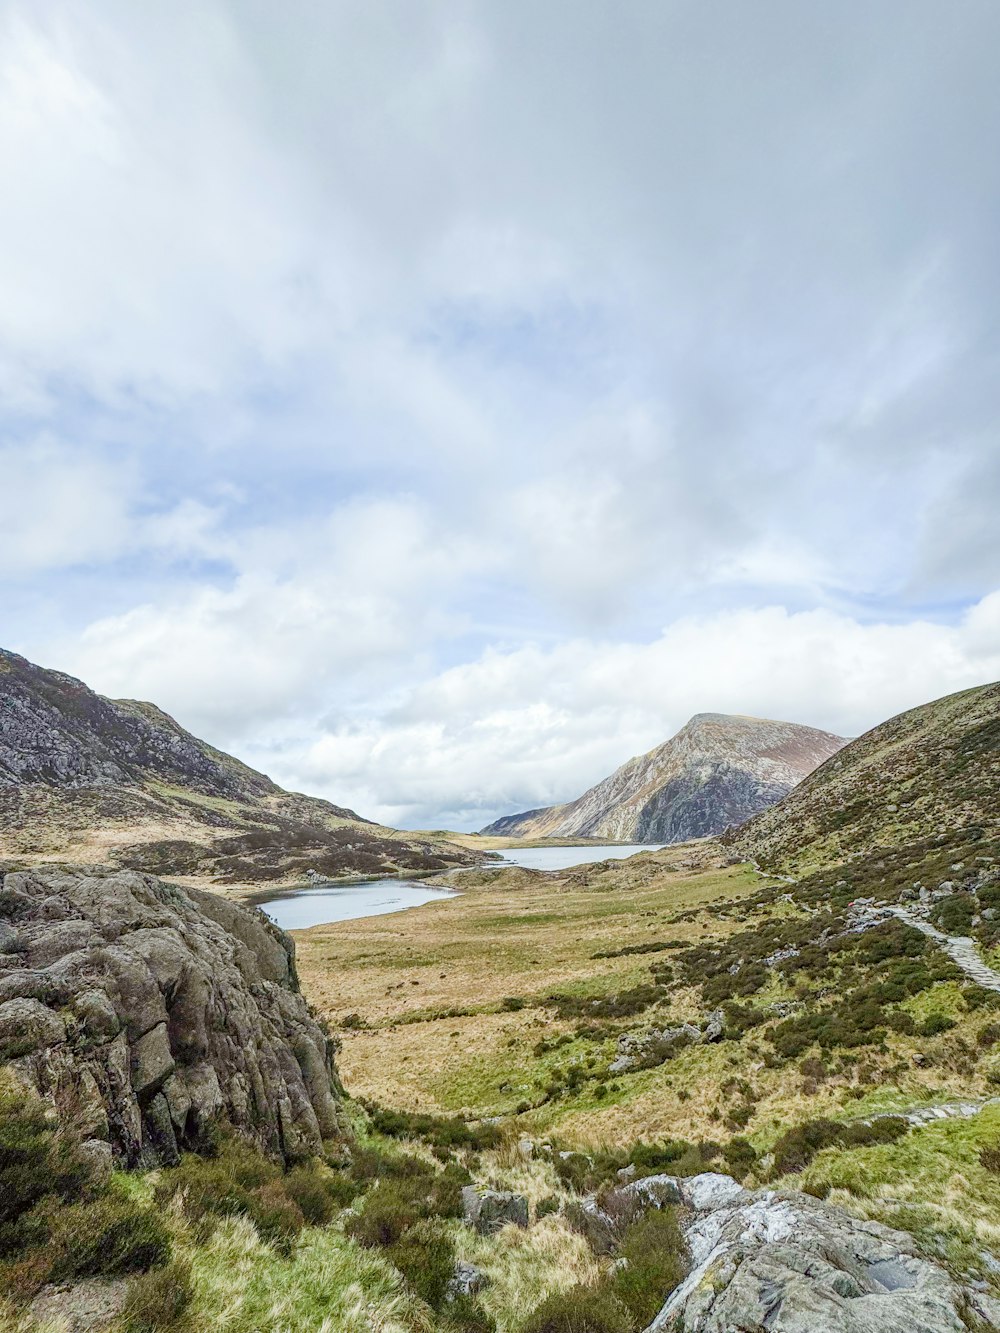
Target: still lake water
<point>341,902</point>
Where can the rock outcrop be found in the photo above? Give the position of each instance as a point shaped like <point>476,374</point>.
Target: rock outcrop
<point>145,1012</point>
<point>714,774</point>
<point>85,778</point>
<point>788,1263</point>
<point>489,1211</point>
<point>646,1050</point>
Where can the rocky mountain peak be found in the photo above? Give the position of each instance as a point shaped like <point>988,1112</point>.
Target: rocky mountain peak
<point>716,772</point>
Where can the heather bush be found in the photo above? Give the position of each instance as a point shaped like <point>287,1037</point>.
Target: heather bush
<point>584,1308</point>
<point>656,1261</point>
<point>425,1256</point>
<point>158,1299</point>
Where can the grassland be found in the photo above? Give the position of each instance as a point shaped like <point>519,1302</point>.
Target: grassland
<point>445,1007</point>
<point>449,1008</point>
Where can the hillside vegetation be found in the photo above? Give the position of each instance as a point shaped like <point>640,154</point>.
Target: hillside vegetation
<point>558,1085</point>
<point>87,779</point>
<point>924,773</point>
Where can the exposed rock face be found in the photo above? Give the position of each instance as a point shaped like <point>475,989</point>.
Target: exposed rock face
<point>145,1012</point>
<point>489,1211</point>
<point>87,778</point>
<point>645,1050</point>
<point>935,768</point>
<point>714,774</point>
<point>791,1264</point>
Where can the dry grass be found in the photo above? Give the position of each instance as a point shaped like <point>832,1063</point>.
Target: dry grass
<point>526,1266</point>
<point>517,935</point>
<point>527,935</point>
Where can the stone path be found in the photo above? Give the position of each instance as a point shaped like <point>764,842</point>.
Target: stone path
<point>960,949</point>
<point>927,1115</point>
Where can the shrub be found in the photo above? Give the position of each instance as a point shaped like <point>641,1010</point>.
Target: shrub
<point>437,1130</point>
<point>238,1181</point>
<point>389,1211</point>
<point>582,1309</point>
<point>313,1194</point>
<point>36,1161</point>
<point>510,1004</point>
<point>796,1148</point>
<point>954,914</point>
<point>934,1024</point>
<point>158,1299</point>
<point>656,1261</point>
<point>111,1235</point>
<point>398,1202</point>
<point>464,1314</point>
<point>989,1157</point>
<point>900,1021</point>
<point>624,1004</point>
<point>548,1206</point>
<point>56,1220</point>
<point>740,1157</point>
<point>746,981</point>
<point>425,1255</point>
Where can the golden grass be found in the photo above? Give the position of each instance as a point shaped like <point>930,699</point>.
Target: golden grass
<point>526,935</point>
<point>526,1266</point>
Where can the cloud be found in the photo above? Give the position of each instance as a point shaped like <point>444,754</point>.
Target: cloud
<point>533,726</point>
<point>348,348</point>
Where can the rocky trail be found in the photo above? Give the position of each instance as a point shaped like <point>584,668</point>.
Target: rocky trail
<point>959,948</point>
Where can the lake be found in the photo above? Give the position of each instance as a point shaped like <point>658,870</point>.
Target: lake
<point>320,904</point>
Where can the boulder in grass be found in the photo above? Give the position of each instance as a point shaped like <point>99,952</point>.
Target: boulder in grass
<point>489,1211</point>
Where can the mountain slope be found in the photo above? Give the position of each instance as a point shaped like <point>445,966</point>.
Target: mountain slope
<point>91,779</point>
<point>932,770</point>
<point>715,773</point>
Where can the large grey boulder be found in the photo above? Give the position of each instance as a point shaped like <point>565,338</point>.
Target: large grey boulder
<point>788,1263</point>
<point>489,1211</point>
<point>145,1011</point>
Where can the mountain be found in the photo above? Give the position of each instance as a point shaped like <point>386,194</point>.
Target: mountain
<point>930,771</point>
<point>715,773</point>
<point>89,779</point>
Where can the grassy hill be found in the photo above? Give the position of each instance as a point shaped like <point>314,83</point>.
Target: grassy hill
<point>88,779</point>
<point>929,771</point>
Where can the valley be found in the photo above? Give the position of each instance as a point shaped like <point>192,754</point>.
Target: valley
<point>461,1118</point>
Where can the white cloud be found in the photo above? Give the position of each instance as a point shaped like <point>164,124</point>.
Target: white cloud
<point>533,726</point>
<point>347,343</point>
<point>61,507</point>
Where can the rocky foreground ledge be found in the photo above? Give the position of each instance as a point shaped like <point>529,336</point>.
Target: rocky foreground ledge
<point>785,1262</point>
<point>144,1012</point>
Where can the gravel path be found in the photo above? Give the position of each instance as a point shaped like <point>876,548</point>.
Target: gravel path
<point>959,948</point>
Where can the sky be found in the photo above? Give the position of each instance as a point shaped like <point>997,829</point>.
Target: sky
<point>437,402</point>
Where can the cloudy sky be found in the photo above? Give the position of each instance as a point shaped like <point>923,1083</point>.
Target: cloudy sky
<point>436,402</point>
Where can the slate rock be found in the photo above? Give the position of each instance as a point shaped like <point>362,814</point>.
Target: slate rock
<point>467,1280</point>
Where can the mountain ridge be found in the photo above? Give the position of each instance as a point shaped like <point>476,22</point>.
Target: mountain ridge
<point>718,770</point>
<point>90,779</point>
